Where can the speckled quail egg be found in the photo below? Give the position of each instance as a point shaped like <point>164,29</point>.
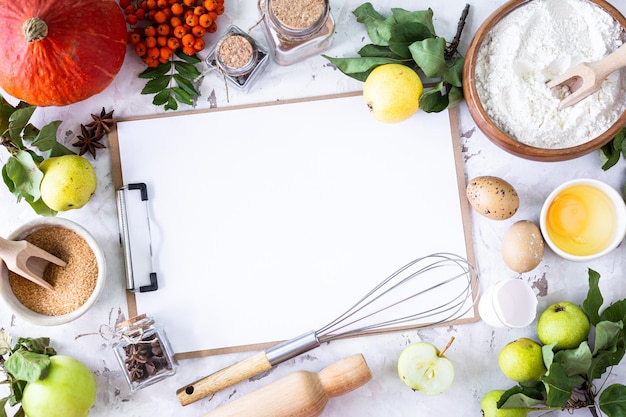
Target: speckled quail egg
<point>492,197</point>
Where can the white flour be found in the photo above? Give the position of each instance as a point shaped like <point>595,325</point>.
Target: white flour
<point>532,45</point>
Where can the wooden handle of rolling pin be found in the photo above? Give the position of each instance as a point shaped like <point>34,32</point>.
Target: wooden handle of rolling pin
<point>224,378</point>
<point>300,394</point>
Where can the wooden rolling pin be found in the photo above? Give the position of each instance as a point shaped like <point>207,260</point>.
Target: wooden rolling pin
<point>301,394</point>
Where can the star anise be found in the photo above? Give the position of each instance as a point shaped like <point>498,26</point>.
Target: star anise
<point>88,141</point>
<point>102,123</point>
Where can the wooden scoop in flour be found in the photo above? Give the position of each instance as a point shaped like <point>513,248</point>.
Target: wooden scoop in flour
<point>27,260</point>
<point>586,78</point>
<point>301,394</point>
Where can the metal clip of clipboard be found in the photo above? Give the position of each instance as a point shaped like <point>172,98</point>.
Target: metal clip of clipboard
<point>135,238</point>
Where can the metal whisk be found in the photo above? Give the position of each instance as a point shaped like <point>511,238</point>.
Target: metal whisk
<point>426,292</point>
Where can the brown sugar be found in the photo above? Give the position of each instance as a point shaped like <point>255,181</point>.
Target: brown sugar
<point>73,284</point>
<point>235,51</point>
<point>298,14</point>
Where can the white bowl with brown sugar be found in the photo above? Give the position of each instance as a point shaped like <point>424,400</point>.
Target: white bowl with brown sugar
<point>76,287</point>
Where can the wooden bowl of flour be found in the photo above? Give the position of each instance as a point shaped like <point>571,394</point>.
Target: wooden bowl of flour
<point>504,80</point>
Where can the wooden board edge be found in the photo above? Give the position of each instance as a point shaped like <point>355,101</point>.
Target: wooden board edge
<point>466,214</point>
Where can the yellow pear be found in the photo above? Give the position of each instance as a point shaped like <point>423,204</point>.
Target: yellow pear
<point>392,92</point>
<point>68,182</point>
<point>522,360</point>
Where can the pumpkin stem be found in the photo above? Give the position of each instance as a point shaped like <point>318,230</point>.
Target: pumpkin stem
<point>34,29</point>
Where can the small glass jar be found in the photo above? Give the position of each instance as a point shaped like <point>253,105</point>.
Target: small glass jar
<point>239,57</point>
<point>297,29</point>
<point>143,352</point>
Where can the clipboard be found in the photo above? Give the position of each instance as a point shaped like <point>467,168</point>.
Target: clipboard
<point>306,203</point>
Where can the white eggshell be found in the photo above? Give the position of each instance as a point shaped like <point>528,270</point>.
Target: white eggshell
<point>522,246</point>
<point>492,197</point>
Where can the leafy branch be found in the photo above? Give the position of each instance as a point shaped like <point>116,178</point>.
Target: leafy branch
<point>173,82</point>
<point>27,361</point>
<point>409,38</point>
<point>28,146</point>
<point>569,382</point>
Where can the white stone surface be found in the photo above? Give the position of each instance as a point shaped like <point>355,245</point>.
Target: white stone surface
<point>475,349</point>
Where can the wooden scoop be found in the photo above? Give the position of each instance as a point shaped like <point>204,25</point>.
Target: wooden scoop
<point>586,78</point>
<point>27,260</point>
<point>301,394</point>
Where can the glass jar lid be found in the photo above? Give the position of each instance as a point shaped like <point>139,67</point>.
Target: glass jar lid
<point>297,18</point>
<point>236,54</point>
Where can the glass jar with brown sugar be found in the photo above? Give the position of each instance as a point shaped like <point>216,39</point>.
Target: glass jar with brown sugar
<point>239,57</point>
<point>297,29</point>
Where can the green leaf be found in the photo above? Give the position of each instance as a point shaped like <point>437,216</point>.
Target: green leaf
<point>172,104</point>
<point>37,345</point>
<point>612,400</point>
<point>18,120</point>
<point>22,176</point>
<point>378,27</point>
<point>523,395</point>
<point>359,68</point>
<point>608,333</point>
<point>591,305</point>
<point>17,391</point>
<point>605,359</point>
<point>614,150</point>
<point>186,85</point>
<point>182,96</point>
<point>3,402</point>
<point>161,98</point>
<point>156,72</point>
<point>5,113</point>
<point>434,100</point>
<point>29,133</point>
<point>367,11</point>
<point>371,50</point>
<point>46,139</point>
<point>455,96</point>
<point>547,352</point>
<point>28,366</point>
<point>429,55</point>
<point>454,72</point>
<point>575,361</point>
<point>191,59</point>
<point>559,385</point>
<point>59,150</point>
<point>615,312</point>
<point>423,17</point>
<point>404,34</point>
<point>41,208</point>
<point>156,84</point>
<point>187,70</point>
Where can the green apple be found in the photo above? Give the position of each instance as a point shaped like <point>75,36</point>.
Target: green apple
<point>522,360</point>
<point>489,406</point>
<point>422,367</point>
<point>68,182</point>
<point>69,390</point>
<point>564,323</point>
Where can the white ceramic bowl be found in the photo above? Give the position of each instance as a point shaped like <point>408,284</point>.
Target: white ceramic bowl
<point>41,319</point>
<point>619,229</point>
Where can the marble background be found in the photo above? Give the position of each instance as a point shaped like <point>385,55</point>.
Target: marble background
<point>475,349</point>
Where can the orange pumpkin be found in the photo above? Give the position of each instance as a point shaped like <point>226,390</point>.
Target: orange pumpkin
<point>59,52</point>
